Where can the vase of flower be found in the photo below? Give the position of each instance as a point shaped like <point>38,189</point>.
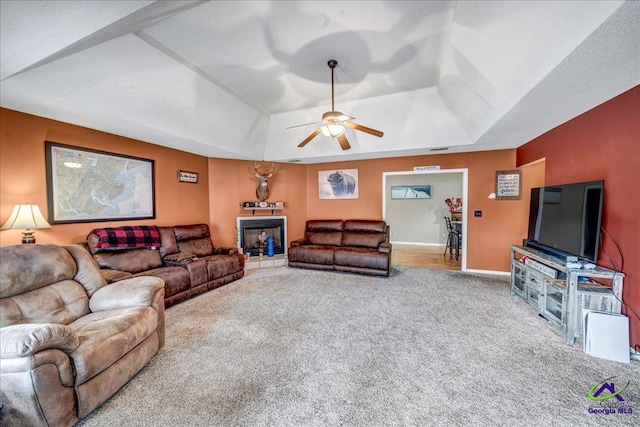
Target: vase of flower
<point>454,203</point>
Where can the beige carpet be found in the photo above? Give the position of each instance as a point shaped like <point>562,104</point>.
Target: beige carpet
<point>291,347</point>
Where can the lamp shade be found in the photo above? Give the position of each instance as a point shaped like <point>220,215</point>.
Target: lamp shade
<point>26,217</point>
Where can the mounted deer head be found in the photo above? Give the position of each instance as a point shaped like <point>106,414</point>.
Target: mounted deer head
<point>262,191</point>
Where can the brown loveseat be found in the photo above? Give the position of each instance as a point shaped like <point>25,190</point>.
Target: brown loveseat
<point>68,341</point>
<point>354,246</point>
<point>186,260</point>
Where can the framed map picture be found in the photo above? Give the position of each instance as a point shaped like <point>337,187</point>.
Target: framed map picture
<point>92,186</point>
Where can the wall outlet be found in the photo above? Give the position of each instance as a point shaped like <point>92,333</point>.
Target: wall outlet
<point>477,213</point>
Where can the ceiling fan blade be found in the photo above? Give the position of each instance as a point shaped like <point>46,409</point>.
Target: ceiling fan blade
<point>305,124</point>
<point>363,129</point>
<point>344,144</point>
<point>309,138</point>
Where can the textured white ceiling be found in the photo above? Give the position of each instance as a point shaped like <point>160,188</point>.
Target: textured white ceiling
<point>226,78</point>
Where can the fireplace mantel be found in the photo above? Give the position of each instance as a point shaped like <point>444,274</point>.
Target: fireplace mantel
<point>254,209</point>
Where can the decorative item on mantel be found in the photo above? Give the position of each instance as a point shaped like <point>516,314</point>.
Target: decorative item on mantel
<point>454,203</point>
<point>261,206</point>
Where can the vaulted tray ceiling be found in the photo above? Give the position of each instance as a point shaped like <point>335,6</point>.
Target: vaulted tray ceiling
<point>225,79</point>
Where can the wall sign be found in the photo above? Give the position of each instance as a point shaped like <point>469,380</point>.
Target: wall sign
<point>185,176</point>
<point>426,168</point>
<point>508,185</point>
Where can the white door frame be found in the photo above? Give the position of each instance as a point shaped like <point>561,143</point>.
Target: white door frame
<point>465,198</point>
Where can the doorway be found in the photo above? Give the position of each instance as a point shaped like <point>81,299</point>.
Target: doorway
<point>417,226</point>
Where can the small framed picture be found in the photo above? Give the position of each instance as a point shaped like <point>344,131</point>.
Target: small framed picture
<point>186,176</point>
<point>508,185</point>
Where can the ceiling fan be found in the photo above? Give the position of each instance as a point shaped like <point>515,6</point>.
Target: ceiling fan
<point>335,123</point>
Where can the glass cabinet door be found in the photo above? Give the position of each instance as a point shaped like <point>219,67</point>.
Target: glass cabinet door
<point>555,301</point>
<point>518,279</point>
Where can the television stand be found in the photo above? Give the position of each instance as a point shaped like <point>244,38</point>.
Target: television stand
<point>560,294</point>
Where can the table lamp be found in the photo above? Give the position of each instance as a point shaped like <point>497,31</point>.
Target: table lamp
<point>27,217</point>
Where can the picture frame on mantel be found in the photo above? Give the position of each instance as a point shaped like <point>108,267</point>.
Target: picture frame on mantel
<point>508,185</point>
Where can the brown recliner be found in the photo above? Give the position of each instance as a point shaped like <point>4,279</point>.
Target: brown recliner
<point>68,341</point>
<point>193,244</point>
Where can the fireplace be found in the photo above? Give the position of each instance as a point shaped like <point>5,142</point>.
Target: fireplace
<point>251,228</point>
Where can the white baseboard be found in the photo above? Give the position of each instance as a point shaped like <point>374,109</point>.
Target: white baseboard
<point>495,273</point>
<point>393,242</point>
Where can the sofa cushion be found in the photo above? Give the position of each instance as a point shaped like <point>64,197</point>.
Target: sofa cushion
<point>361,257</point>
<point>326,238</point>
<point>29,267</point>
<point>197,247</point>
<point>222,265</point>
<point>108,335</point>
<point>176,279</point>
<point>324,225</point>
<point>362,239</point>
<point>312,254</point>
<point>61,302</point>
<point>189,232</point>
<point>168,239</point>
<point>365,225</point>
<point>132,261</point>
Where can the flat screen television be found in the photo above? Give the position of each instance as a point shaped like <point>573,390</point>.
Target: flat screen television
<point>565,219</point>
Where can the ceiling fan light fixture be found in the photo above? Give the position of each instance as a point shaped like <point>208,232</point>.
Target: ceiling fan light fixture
<point>334,123</point>
<point>333,130</point>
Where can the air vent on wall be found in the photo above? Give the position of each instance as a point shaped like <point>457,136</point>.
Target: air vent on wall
<point>439,149</point>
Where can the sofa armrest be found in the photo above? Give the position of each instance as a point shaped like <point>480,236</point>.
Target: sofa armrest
<point>114,275</point>
<point>27,339</point>
<point>225,251</point>
<point>298,242</point>
<point>384,247</point>
<point>180,259</point>
<point>141,291</point>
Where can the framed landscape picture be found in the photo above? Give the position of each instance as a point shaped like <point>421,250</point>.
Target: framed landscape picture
<point>92,186</point>
<point>411,192</point>
<point>338,184</point>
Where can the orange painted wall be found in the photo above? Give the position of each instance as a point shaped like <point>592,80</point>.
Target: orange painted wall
<point>23,175</point>
<point>502,222</point>
<point>232,182</point>
<point>225,183</point>
<point>603,143</point>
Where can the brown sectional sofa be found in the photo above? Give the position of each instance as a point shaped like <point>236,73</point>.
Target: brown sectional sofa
<point>354,246</point>
<point>186,260</point>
